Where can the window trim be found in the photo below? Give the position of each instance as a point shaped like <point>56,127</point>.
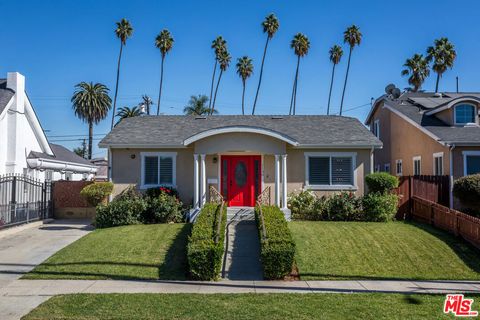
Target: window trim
<point>435,156</point>
<point>416,158</point>
<point>396,167</point>
<point>338,187</point>
<point>468,153</point>
<point>455,114</point>
<point>173,155</point>
<point>385,166</point>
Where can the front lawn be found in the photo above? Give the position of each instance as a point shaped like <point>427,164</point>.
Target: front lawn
<point>242,306</point>
<point>396,250</point>
<point>156,251</point>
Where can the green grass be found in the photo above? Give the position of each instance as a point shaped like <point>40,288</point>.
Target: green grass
<point>156,251</point>
<point>396,250</point>
<point>242,306</point>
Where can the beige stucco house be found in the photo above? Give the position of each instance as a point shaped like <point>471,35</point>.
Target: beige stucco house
<point>241,155</point>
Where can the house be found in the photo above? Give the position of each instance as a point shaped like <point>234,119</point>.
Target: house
<point>241,155</point>
<point>102,168</point>
<point>425,133</point>
<point>24,148</point>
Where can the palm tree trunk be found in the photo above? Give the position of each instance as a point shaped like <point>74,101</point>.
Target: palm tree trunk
<point>330,92</point>
<point>116,85</point>
<point>211,87</point>
<point>216,91</point>
<point>346,78</point>
<point>436,84</point>
<point>90,139</point>
<point>293,93</point>
<point>296,86</point>
<point>161,83</point>
<point>261,74</point>
<point>243,99</point>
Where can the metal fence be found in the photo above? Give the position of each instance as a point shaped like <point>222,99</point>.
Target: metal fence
<point>24,199</point>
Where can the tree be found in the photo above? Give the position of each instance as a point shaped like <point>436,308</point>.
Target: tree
<point>443,55</point>
<point>353,37</point>
<point>219,45</point>
<point>336,53</point>
<point>244,70</point>
<point>270,27</point>
<point>147,102</point>
<point>197,106</point>
<point>127,112</point>
<point>123,31</point>
<point>164,42</point>
<point>418,69</point>
<point>91,104</point>
<point>82,150</point>
<point>300,44</point>
<point>224,61</point>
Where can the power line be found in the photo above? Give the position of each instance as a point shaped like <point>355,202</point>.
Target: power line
<point>75,135</point>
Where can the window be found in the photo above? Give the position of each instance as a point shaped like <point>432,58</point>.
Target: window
<point>471,162</point>
<point>464,113</point>
<point>399,167</point>
<point>387,167</point>
<point>438,164</point>
<point>158,169</point>
<point>417,166</point>
<point>330,171</point>
<point>376,128</point>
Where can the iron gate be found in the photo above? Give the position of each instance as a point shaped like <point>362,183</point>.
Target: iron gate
<point>24,199</point>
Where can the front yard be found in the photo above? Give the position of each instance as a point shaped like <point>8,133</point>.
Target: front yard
<point>156,251</point>
<point>395,250</point>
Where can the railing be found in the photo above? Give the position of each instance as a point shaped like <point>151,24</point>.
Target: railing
<point>264,197</point>
<point>214,195</point>
<point>262,221</point>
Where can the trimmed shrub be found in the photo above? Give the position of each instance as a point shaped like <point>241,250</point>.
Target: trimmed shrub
<point>130,193</point>
<point>155,192</point>
<point>278,248</point>
<point>162,209</point>
<point>381,182</point>
<point>119,213</point>
<point>97,192</point>
<point>380,207</point>
<point>203,254</point>
<point>467,190</point>
<point>344,206</point>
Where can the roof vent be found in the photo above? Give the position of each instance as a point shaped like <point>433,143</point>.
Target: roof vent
<point>200,118</point>
<point>437,94</point>
<point>277,117</point>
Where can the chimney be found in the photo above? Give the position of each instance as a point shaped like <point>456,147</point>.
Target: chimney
<point>142,109</point>
<point>16,82</point>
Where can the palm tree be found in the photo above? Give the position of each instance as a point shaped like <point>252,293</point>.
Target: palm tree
<point>197,105</point>
<point>336,54</point>
<point>224,61</point>
<point>353,37</point>
<point>147,102</point>
<point>218,45</point>
<point>300,44</point>
<point>123,31</point>
<point>244,70</point>
<point>164,42</point>
<point>91,104</point>
<point>418,69</point>
<point>127,112</point>
<point>270,26</point>
<point>443,55</point>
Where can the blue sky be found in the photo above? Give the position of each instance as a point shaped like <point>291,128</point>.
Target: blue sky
<point>57,44</point>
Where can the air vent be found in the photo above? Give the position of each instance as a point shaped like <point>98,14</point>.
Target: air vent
<point>437,94</point>
<point>277,117</point>
<point>200,118</point>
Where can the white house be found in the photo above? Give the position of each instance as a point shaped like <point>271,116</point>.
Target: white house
<point>24,148</point>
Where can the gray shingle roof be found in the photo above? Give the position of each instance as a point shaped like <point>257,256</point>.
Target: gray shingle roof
<point>5,94</point>
<point>171,131</point>
<point>60,154</point>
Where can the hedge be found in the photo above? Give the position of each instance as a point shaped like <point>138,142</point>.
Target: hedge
<point>382,182</point>
<point>204,255</point>
<point>277,248</point>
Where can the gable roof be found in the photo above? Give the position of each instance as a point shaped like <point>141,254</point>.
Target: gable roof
<point>60,154</point>
<point>174,131</point>
<point>5,94</point>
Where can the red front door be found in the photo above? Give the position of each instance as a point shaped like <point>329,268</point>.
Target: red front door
<point>241,178</point>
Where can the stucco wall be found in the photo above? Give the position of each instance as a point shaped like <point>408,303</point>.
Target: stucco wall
<point>458,168</point>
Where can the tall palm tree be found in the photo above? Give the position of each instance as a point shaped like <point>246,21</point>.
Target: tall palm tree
<point>443,55</point>
<point>218,45</point>
<point>418,69</point>
<point>300,44</point>
<point>123,31</point>
<point>353,37</point>
<point>197,106</point>
<point>91,104</point>
<point>164,42</point>
<point>336,53</point>
<point>270,27</point>
<point>224,61</point>
<point>127,112</point>
<point>244,70</point>
<point>147,102</point>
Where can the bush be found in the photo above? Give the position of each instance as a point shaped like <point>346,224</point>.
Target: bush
<point>155,192</point>
<point>97,192</point>
<point>302,204</point>
<point>380,207</point>
<point>203,254</point>
<point>278,248</point>
<point>344,206</point>
<point>467,190</point>
<point>382,182</point>
<point>162,209</point>
<point>130,193</point>
<point>120,213</point>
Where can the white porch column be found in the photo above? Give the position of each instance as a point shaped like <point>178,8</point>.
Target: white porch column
<point>284,181</point>
<point>196,181</point>
<point>203,181</point>
<point>277,180</point>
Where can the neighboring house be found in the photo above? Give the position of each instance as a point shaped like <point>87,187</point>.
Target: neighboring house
<point>425,133</point>
<point>241,155</point>
<point>24,148</point>
<point>102,168</point>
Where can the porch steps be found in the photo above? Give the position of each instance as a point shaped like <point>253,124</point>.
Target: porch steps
<point>240,214</point>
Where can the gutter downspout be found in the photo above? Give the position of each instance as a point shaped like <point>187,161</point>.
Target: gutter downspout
<point>451,174</point>
<point>372,165</point>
